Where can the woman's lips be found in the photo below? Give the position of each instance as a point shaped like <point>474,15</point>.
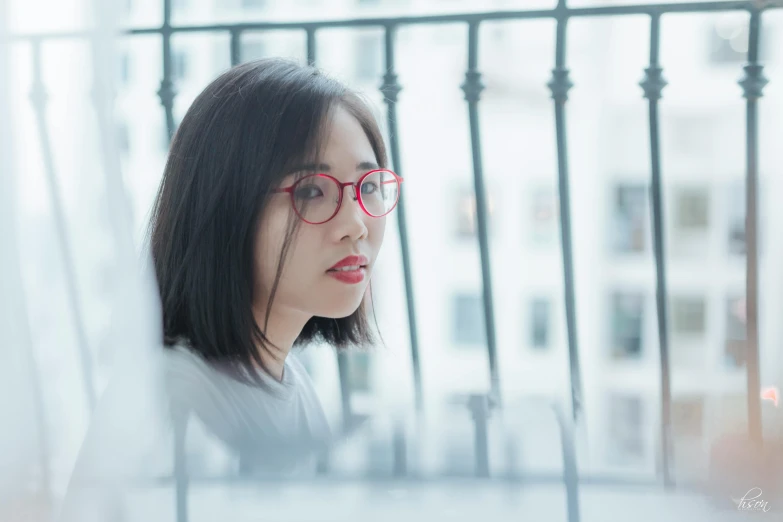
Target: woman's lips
<point>351,276</point>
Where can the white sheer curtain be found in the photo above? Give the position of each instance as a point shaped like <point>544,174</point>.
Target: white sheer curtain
<point>75,302</point>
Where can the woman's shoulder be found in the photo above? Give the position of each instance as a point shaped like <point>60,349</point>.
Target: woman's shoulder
<point>181,360</point>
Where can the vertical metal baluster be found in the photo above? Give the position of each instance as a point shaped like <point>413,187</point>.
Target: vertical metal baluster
<point>236,47</point>
<point>570,470</point>
<point>167,92</point>
<point>472,88</point>
<point>391,90</point>
<point>653,84</point>
<point>310,45</point>
<point>753,86</point>
<point>560,85</point>
<point>38,97</point>
<point>480,406</point>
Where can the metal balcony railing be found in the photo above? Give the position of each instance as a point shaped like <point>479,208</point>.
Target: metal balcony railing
<point>652,85</point>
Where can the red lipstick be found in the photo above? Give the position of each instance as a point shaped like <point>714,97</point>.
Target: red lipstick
<point>350,270</point>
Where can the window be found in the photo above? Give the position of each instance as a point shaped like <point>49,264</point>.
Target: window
<point>688,316</point>
<point>544,216</point>
<point>540,310</point>
<point>359,371</point>
<point>627,325</point>
<point>691,209</point>
<point>687,416</point>
<point>468,320</point>
<point>626,429</point>
<point>179,65</point>
<point>467,221</point>
<point>736,334</point>
<point>736,213</point>
<point>369,53</point>
<point>629,218</point>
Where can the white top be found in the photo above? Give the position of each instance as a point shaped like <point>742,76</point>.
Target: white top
<point>281,429</point>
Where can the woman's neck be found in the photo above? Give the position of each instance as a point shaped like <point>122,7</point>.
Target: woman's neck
<point>283,328</point>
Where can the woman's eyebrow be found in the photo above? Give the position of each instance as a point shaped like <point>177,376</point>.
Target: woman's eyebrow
<point>367,165</point>
<point>323,167</point>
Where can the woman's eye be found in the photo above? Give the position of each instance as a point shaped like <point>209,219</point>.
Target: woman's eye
<point>308,192</point>
<point>369,187</point>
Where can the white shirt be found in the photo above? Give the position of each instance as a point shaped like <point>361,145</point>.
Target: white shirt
<point>280,429</point>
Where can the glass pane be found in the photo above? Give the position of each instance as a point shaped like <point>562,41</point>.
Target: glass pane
<point>688,316</point>
<point>627,322</point>
<point>692,209</point>
<point>467,222</point>
<point>468,320</point>
<point>628,230</point>
<point>626,427</point>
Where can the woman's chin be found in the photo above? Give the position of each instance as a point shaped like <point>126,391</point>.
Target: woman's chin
<point>341,310</point>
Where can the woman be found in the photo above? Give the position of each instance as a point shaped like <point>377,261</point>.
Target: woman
<point>258,249</point>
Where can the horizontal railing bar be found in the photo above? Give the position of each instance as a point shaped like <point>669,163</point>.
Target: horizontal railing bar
<point>336,478</point>
<point>580,12</point>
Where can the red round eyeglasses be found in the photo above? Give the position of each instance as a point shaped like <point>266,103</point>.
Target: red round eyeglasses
<point>317,198</point>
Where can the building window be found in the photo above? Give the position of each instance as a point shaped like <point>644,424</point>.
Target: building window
<point>544,216</point>
<point>627,325</point>
<point>626,430</point>
<point>359,371</point>
<point>540,311</point>
<point>179,65</point>
<point>468,320</point>
<point>369,52</point>
<point>691,209</point>
<point>629,218</point>
<point>735,350</point>
<point>688,316</point>
<point>467,221</point>
<point>687,416</point>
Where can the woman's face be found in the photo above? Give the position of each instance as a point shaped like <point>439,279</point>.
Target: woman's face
<point>307,285</point>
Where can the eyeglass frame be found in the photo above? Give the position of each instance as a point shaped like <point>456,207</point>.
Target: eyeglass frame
<point>356,193</point>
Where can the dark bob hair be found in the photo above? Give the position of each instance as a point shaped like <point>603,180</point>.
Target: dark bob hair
<point>231,150</point>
